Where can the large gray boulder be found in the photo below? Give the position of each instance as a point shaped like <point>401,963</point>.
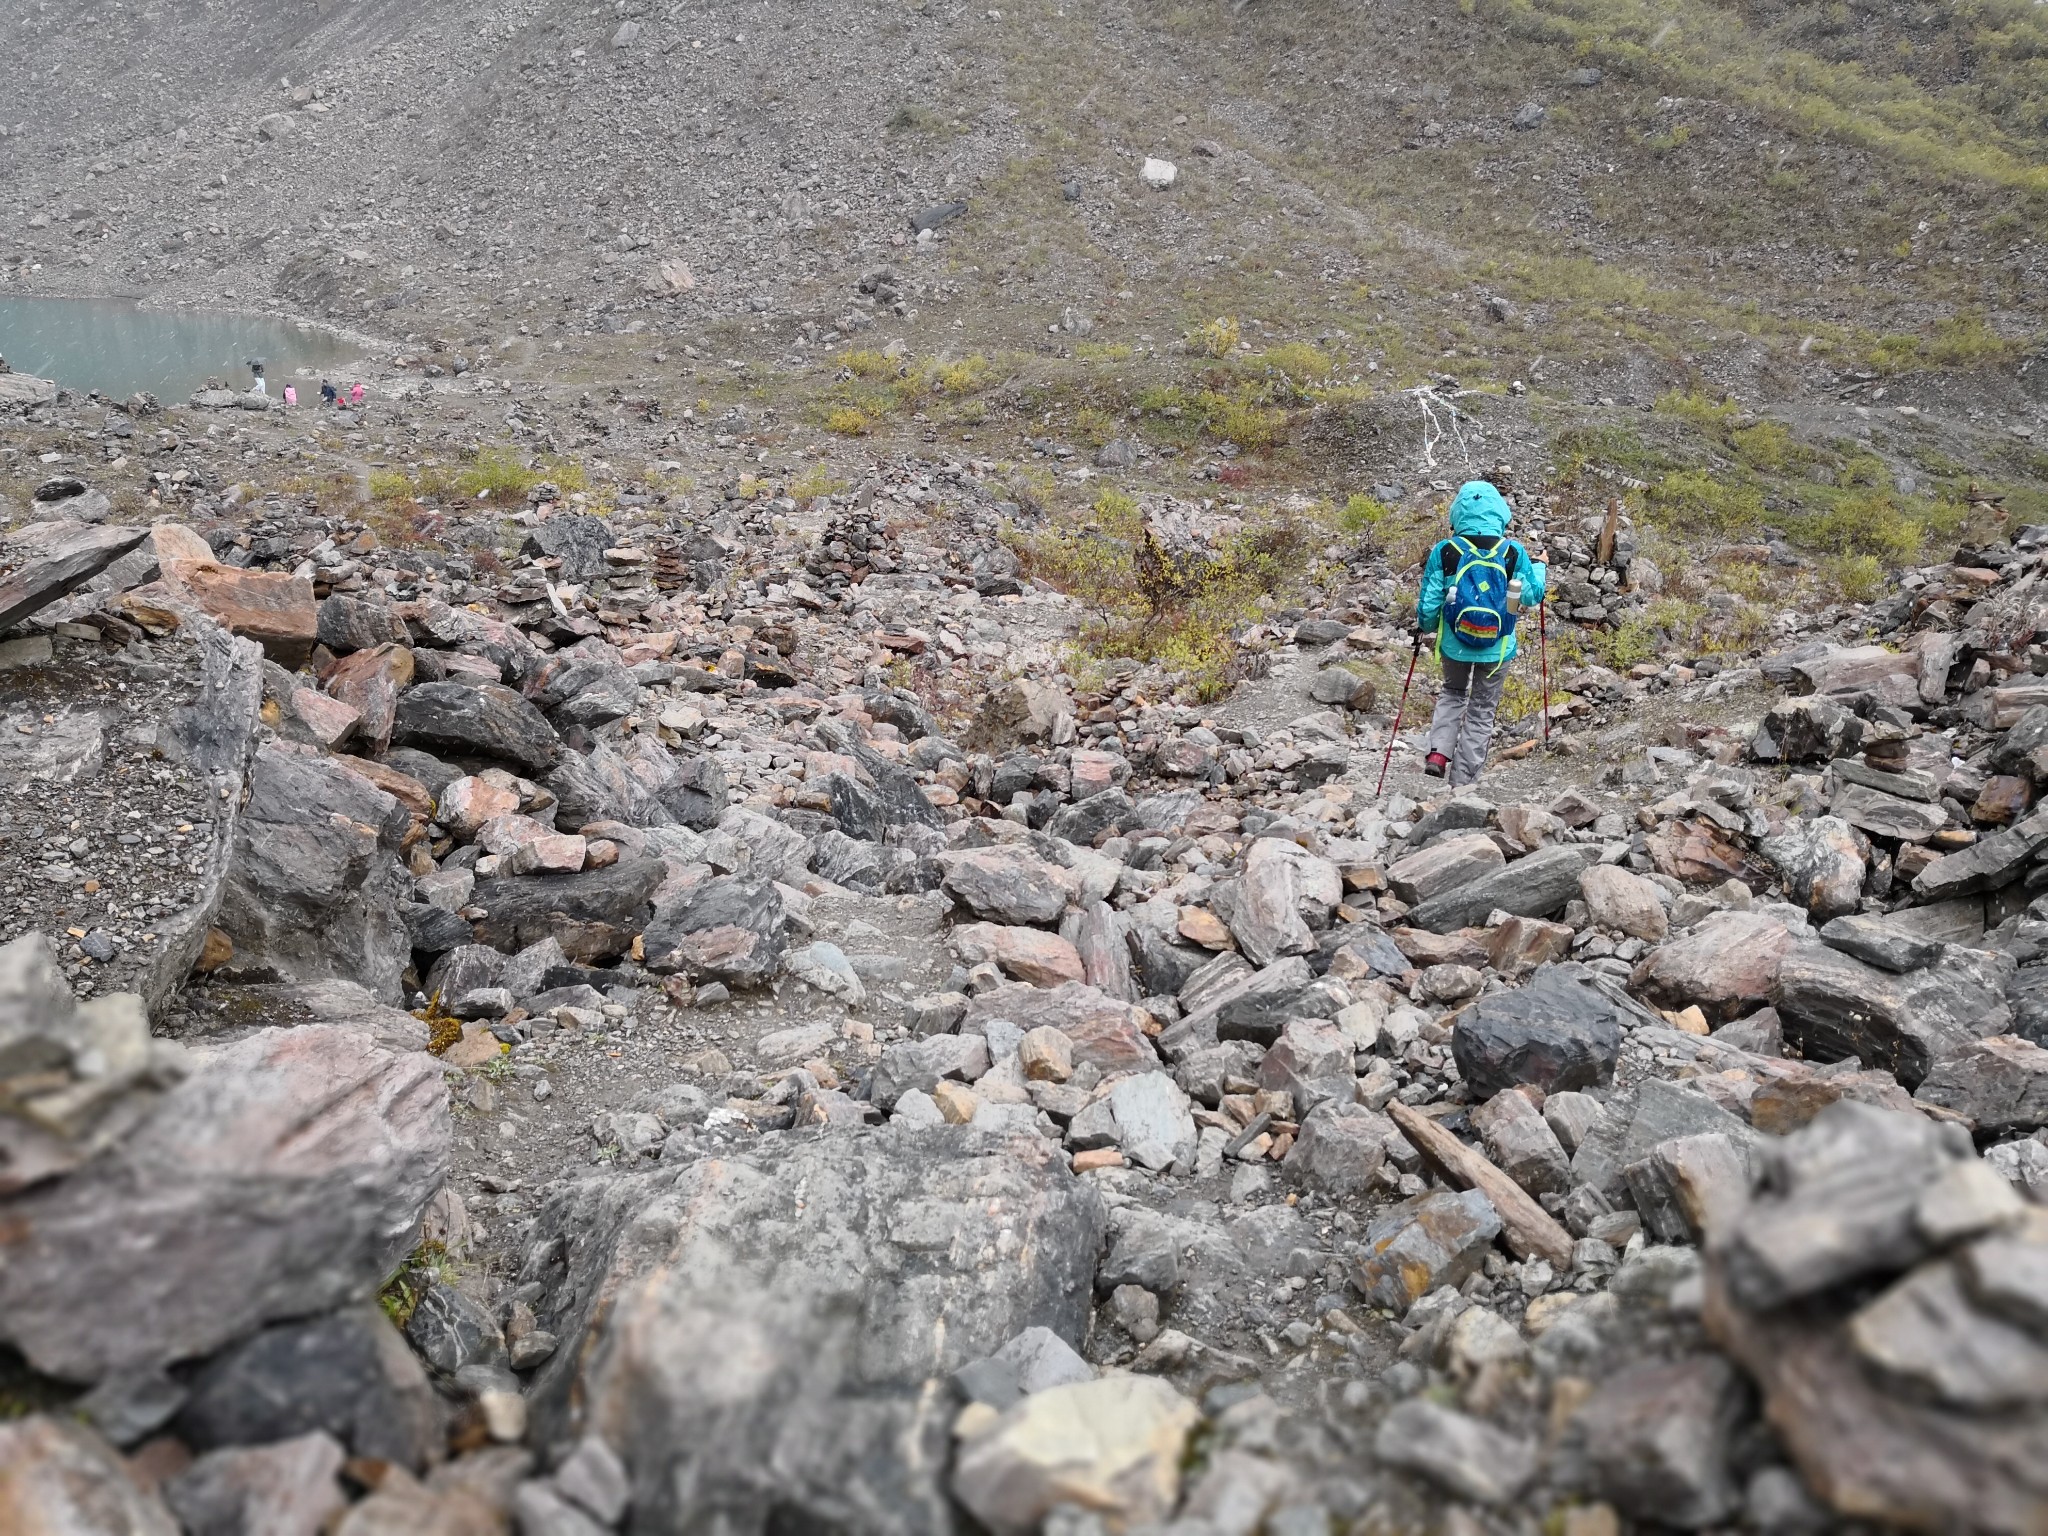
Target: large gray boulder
<point>1835,1006</point>
<point>316,887</point>
<point>593,915</point>
<point>487,722</point>
<point>765,1332</point>
<point>1563,1030</point>
<point>730,928</point>
<point>285,1176</point>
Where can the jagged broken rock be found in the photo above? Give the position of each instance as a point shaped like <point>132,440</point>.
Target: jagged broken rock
<point>286,1175</point>
<point>315,887</point>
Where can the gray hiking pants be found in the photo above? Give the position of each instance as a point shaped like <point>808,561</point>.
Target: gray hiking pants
<point>1463,723</point>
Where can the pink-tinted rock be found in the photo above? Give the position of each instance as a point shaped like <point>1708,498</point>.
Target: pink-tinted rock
<point>1105,1031</point>
<point>370,682</point>
<point>468,803</point>
<point>329,721</point>
<point>1727,965</point>
<point>1029,954</point>
<point>550,853</point>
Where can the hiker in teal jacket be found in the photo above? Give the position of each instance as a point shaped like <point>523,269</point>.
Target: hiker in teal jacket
<point>1471,563</point>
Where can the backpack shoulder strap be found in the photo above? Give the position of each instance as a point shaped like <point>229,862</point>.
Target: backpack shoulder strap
<point>1451,559</point>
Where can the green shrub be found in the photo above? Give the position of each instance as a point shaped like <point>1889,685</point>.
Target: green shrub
<point>1854,578</point>
<point>1362,514</point>
<point>1873,525</point>
<point>1711,416</point>
<point>1691,501</point>
<point>1297,362</point>
<point>1219,338</point>
<point>1180,609</point>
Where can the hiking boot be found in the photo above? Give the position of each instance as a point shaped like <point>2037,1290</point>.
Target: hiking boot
<point>1435,765</point>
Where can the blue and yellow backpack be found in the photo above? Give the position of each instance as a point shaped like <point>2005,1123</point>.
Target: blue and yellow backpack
<point>1476,591</point>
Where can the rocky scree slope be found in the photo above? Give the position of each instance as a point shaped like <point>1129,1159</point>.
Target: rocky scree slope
<point>1058,1112</point>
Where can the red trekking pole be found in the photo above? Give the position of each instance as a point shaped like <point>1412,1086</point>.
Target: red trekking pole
<point>1394,735</point>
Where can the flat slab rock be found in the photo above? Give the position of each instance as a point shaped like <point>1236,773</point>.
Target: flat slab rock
<point>1536,886</point>
<point>65,563</point>
<point>817,1284</point>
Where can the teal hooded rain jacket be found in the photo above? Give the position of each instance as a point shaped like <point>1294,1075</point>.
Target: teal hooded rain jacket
<point>1480,513</point>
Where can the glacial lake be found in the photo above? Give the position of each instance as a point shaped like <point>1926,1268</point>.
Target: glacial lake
<point>118,347</point>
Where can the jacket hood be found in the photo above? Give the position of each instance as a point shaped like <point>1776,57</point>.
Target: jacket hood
<point>1480,511</point>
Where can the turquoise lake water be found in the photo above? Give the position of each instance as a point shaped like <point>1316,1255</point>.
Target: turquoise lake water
<point>119,347</point>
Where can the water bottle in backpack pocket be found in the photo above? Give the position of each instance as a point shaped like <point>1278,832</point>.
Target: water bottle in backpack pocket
<point>1477,611</point>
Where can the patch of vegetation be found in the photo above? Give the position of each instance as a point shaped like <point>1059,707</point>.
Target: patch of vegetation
<point>915,117</point>
<point>1960,342</point>
<point>1362,514</point>
<point>1981,133</point>
<point>1218,338</point>
<point>1889,528</point>
<point>1695,503</point>
<point>848,421</point>
<point>1854,578</point>
<point>490,474</point>
<point>818,480</point>
<point>443,1028</point>
<point>1180,609</point>
<point>426,1266</point>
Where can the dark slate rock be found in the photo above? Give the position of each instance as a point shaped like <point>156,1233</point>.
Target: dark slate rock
<point>353,624</point>
<point>1367,941</point>
<point>1253,1007</point>
<point>612,695</point>
<point>696,797</point>
<point>1561,1031</point>
<point>451,1331</point>
<point>902,709</point>
<point>593,915</point>
<point>1834,1006</point>
<point>852,862</point>
<point>582,794</point>
<point>1461,813</point>
<point>2027,993</point>
<point>1536,886</point>
<point>433,930</point>
<point>349,1374</point>
<point>491,722</point>
<point>577,540</point>
<point>1877,942</point>
<point>464,969</point>
<point>67,563</point>
<point>2028,735</point>
<point>728,929</point>
<point>1987,864</point>
<point>1162,966</point>
<point>423,766</point>
<point>1087,822</point>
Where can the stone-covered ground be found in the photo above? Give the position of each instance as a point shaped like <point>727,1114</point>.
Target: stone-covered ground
<point>785,1052</point>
